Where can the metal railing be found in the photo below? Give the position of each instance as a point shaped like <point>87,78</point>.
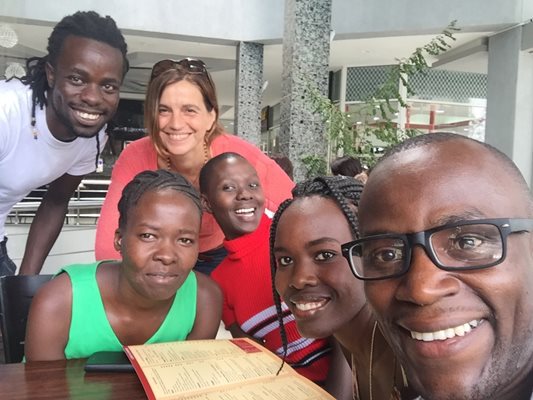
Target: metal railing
<point>84,204</point>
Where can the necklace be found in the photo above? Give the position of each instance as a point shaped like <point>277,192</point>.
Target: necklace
<point>206,158</point>
<point>33,122</point>
<point>357,394</point>
<point>372,358</point>
<point>395,392</point>
<point>34,130</point>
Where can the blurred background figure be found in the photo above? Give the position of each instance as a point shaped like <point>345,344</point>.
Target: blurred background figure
<point>285,163</point>
<point>349,166</point>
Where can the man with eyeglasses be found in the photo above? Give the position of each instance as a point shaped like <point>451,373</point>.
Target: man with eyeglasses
<point>446,252</point>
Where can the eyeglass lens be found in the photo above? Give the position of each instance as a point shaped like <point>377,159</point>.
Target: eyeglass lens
<point>465,246</point>
<point>192,65</point>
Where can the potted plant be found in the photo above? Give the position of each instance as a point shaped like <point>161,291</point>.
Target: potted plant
<point>347,138</point>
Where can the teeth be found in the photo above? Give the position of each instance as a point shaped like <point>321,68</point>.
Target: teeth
<point>440,335</point>
<point>448,333</point>
<point>178,135</point>
<point>244,211</point>
<point>308,306</point>
<point>85,115</point>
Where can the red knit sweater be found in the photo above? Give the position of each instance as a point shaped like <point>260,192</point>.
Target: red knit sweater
<point>244,276</point>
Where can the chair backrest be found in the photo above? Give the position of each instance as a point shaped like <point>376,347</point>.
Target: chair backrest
<point>16,294</point>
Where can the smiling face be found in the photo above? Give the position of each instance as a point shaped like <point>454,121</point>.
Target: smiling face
<point>312,276</point>
<point>159,243</point>
<point>486,315</point>
<point>84,88</point>
<point>235,197</point>
<point>184,119</point>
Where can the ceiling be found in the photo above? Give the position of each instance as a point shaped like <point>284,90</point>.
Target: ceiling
<point>145,49</point>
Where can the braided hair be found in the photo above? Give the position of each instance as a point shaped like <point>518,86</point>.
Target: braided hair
<point>85,24</point>
<point>155,181</point>
<point>345,191</point>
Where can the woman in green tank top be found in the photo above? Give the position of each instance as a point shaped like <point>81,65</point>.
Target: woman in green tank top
<point>151,295</point>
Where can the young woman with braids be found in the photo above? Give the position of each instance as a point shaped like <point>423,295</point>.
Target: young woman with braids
<point>315,281</point>
<point>151,295</point>
<point>181,117</point>
<point>52,125</point>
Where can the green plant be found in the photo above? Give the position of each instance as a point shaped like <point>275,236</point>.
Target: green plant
<point>315,166</point>
<point>350,139</point>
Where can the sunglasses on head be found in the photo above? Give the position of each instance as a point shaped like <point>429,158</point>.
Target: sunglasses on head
<point>191,65</point>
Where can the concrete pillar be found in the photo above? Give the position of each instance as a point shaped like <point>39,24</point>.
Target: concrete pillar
<point>249,82</point>
<point>306,43</point>
<point>510,98</point>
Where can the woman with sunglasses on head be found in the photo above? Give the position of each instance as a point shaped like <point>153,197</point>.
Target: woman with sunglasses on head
<point>181,117</point>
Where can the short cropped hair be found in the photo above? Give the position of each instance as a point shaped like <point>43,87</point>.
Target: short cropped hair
<point>438,137</point>
<point>207,170</point>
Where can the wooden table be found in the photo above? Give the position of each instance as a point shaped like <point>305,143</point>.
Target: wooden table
<point>66,380</point>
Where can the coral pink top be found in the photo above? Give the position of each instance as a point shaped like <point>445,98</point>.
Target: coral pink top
<point>141,155</point>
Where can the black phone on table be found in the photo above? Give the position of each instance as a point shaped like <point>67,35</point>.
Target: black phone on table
<point>108,361</point>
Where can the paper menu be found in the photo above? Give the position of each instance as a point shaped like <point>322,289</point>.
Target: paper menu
<point>228,369</point>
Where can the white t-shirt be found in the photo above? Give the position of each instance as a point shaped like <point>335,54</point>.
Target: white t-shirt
<point>26,163</point>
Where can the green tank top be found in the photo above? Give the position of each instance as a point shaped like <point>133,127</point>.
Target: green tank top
<point>90,330</point>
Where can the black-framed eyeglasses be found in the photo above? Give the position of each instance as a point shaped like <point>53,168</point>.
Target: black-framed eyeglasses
<point>457,246</point>
<point>191,65</point>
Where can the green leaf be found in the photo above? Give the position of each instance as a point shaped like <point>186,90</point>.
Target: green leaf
<point>352,139</point>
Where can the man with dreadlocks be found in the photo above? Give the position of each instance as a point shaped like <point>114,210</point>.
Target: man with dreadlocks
<point>150,296</point>
<point>52,125</point>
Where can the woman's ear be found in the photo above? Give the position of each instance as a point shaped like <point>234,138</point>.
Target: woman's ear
<point>205,204</point>
<point>117,241</point>
<point>213,116</point>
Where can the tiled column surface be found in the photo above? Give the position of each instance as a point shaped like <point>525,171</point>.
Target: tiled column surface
<point>305,62</point>
<point>249,82</point>
<point>510,96</point>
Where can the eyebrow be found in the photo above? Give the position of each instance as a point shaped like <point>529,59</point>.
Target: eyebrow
<point>191,231</point>
<point>84,73</point>
<point>321,241</point>
<point>156,228</point>
<point>190,105</point>
<point>467,215</point>
<point>312,243</point>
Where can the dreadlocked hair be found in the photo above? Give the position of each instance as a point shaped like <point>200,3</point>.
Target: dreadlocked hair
<point>154,181</point>
<point>346,192</point>
<point>85,24</point>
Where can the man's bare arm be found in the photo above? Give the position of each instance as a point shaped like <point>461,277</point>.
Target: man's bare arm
<point>47,223</point>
